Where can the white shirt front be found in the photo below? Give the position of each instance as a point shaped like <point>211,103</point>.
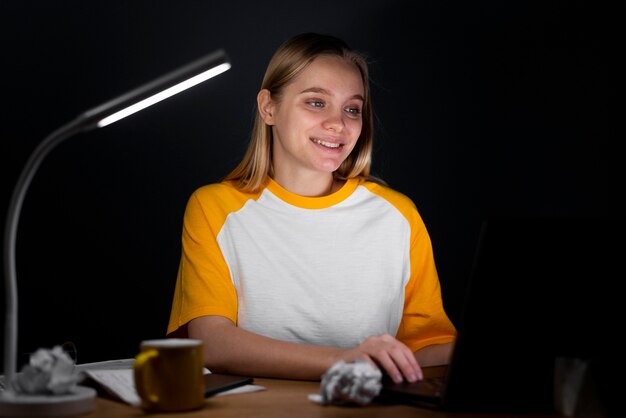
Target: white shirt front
<point>324,276</point>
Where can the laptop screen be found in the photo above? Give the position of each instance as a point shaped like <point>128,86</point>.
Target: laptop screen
<point>539,290</point>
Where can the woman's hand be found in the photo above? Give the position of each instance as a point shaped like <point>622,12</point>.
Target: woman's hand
<point>386,352</point>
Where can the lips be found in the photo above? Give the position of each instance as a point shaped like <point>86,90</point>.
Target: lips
<point>327,144</point>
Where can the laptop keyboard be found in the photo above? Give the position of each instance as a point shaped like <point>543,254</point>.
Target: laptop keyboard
<point>435,383</point>
<point>430,386</point>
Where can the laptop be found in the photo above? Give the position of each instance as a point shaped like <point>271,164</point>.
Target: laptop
<point>538,290</point>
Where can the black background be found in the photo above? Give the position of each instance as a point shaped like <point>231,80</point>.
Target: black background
<point>482,108</point>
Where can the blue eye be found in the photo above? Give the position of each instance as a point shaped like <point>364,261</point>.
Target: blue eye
<point>316,103</point>
<point>354,111</point>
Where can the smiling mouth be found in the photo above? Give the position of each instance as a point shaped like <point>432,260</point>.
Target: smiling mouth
<point>331,145</point>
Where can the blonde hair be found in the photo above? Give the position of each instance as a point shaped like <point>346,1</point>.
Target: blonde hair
<point>286,64</point>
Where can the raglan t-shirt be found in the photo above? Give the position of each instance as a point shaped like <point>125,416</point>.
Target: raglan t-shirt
<point>329,270</point>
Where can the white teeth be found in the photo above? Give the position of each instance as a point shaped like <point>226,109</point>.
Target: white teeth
<point>326,144</point>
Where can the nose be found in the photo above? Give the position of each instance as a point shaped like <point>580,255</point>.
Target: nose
<point>334,122</point>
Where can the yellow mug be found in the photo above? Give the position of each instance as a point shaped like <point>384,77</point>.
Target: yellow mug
<point>169,374</point>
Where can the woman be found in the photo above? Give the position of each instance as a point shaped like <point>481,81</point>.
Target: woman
<point>300,258</point>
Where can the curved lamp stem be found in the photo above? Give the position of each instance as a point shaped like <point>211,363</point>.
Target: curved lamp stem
<point>100,116</point>
<point>10,236</point>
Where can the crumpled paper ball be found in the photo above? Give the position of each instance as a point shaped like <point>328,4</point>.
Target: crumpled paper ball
<point>48,372</point>
<point>355,383</point>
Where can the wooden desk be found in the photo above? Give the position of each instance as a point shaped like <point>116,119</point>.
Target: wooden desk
<point>283,398</point>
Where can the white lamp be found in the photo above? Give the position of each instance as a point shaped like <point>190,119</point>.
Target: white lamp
<point>82,399</point>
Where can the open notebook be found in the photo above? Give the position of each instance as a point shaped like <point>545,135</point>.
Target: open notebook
<point>115,378</point>
<point>539,288</point>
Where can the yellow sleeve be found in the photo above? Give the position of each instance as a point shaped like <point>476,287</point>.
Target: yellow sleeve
<point>203,284</point>
<point>424,320</point>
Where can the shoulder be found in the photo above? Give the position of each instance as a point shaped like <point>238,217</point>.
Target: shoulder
<point>213,190</point>
<point>220,196</point>
<point>221,190</point>
<point>399,200</point>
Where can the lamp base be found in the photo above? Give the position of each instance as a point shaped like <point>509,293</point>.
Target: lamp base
<point>80,401</point>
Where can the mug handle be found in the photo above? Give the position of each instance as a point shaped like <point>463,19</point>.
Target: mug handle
<point>143,373</point>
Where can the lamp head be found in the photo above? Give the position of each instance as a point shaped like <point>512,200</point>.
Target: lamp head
<point>159,89</point>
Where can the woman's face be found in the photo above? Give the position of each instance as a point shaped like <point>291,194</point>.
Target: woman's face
<point>318,120</point>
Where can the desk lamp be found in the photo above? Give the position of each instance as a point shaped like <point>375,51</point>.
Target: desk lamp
<point>80,400</point>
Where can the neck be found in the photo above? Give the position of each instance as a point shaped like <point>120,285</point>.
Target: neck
<point>316,186</point>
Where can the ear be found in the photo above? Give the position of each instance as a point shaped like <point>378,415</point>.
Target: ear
<point>266,106</point>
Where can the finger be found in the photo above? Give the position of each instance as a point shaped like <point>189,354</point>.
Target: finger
<point>415,372</point>
<point>403,357</point>
<point>406,363</point>
<point>386,362</point>
<point>412,361</point>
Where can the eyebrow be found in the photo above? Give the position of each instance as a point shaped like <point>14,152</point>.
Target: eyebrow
<point>326,92</point>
